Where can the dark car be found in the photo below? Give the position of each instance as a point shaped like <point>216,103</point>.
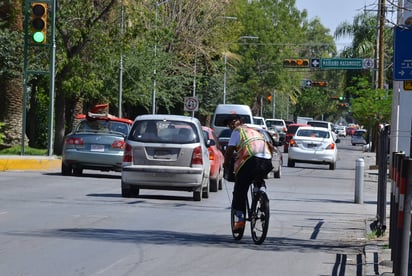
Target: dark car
<point>289,134</point>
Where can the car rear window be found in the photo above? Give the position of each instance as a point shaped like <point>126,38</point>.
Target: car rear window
<point>312,133</point>
<point>164,131</point>
<point>220,119</point>
<point>102,126</point>
<point>319,124</point>
<point>274,123</point>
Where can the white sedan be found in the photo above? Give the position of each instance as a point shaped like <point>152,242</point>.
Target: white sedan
<point>313,145</point>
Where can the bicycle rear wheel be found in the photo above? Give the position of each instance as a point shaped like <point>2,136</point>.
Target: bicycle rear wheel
<point>259,223</point>
<point>237,234</point>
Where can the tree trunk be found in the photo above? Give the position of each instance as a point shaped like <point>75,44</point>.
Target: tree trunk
<point>12,102</point>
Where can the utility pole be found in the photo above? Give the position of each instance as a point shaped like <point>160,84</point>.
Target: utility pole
<point>381,45</point>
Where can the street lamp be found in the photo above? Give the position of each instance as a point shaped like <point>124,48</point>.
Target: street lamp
<point>225,62</point>
<point>155,57</point>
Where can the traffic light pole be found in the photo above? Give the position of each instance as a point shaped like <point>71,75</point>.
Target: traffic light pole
<point>29,11</point>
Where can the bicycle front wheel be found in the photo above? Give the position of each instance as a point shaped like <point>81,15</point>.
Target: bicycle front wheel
<point>238,233</point>
<point>260,217</point>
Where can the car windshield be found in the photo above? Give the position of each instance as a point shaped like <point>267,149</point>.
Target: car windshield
<point>359,133</point>
<point>102,126</point>
<point>164,131</point>
<point>312,133</point>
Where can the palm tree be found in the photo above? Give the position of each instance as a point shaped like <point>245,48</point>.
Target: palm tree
<point>363,31</point>
<point>11,81</point>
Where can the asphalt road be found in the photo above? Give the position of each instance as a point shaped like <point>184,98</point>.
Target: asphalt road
<point>55,225</point>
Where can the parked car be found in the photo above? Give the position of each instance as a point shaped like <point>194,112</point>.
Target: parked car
<point>289,134</point>
<point>216,161</point>
<point>359,137</point>
<point>279,125</point>
<point>313,145</point>
<point>96,143</point>
<point>166,152</point>
<point>259,121</point>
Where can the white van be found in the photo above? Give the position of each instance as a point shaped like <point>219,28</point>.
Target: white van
<point>224,111</point>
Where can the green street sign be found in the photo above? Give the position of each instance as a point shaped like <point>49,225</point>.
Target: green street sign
<point>342,63</point>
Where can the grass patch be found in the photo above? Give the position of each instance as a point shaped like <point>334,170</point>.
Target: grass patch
<point>27,151</point>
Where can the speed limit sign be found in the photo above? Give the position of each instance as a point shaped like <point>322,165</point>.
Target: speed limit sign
<point>191,104</point>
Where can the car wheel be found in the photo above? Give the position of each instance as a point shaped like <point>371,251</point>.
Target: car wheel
<point>332,166</point>
<point>213,185</point>
<point>77,171</point>
<point>291,163</point>
<point>220,184</point>
<point>205,190</point>
<point>130,191</point>
<point>66,169</point>
<point>278,173</point>
<point>197,196</point>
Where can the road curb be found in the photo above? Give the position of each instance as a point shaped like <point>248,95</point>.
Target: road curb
<point>29,163</point>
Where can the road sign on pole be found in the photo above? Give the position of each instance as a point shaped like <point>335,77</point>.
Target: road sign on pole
<point>191,104</point>
<point>402,61</point>
<point>341,63</point>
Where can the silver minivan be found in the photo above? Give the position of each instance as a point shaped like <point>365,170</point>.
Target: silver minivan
<point>225,111</point>
<point>166,152</point>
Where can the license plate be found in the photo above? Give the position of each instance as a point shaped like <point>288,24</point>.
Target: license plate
<point>96,147</point>
<point>311,145</point>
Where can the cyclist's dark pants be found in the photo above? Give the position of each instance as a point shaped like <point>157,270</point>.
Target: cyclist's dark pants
<point>251,170</point>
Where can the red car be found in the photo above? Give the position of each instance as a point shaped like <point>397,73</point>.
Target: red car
<point>216,160</point>
<point>289,134</point>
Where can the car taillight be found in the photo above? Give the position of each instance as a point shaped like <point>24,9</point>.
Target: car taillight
<point>74,141</point>
<point>128,155</point>
<point>331,146</point>
<point>292,143</point>
<point>197,156</point>
<point>118,144</point>
<point>285,129</point>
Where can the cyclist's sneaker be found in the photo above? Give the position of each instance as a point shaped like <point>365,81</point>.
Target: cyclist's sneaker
<point>240,221</point>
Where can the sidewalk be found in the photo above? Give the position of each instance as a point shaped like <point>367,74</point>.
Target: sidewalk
<point>377,253</point>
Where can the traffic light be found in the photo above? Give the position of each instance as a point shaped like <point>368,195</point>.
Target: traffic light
<point>269,98</point>
<point>319,83</point>
<point>39,22</point>
<point>296,63</point>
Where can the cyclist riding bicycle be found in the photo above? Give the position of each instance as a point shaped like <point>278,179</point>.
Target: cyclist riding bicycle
<point>252,163</point>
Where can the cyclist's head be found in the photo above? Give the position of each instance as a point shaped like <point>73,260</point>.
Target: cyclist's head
<point>234,121</point>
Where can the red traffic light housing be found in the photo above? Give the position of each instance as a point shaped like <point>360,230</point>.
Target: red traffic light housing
<point>296,63</point>
<point>39,22</point>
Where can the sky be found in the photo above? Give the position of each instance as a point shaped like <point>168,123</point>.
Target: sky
<point>334,12</point>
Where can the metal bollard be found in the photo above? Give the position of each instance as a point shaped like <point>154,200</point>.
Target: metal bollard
<point>360,168</point>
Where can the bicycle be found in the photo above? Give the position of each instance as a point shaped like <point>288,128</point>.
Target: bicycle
<point>257,213</point>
